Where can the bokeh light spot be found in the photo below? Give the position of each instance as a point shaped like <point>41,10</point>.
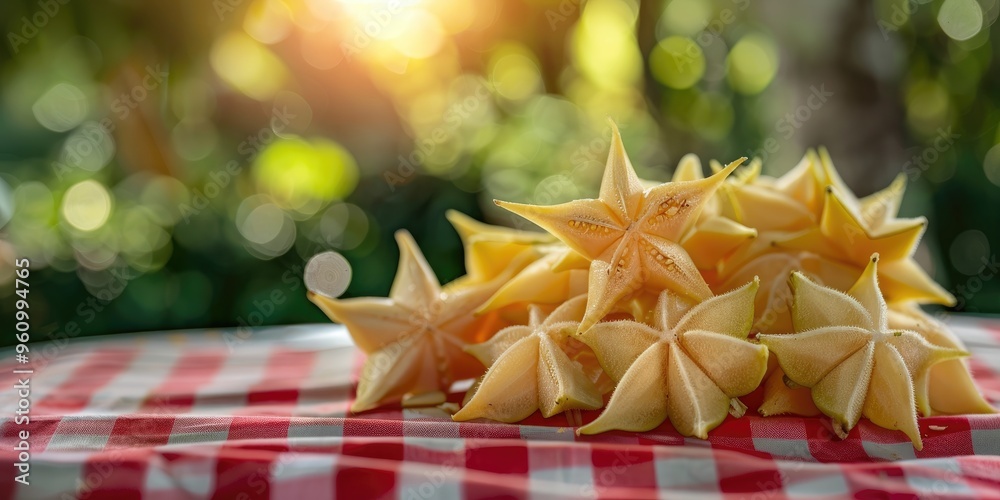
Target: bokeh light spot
<point>247,66</point>
<point>297,173</point>
<point>163,196</point>
<point>6,203</point>
<point>515,75</point>
<point>90,147</point>
<point>268,21</point>
<point>61,108</point>
<point>262,224</point>
<point>86,205</point>
<point>321,51</point>
<point>927,105</point>
<point>752,64</point>
<point>677,62</point>
<point>604,44</point>
<point>969,250</point>
<point>139,234</point>
<point>343,226</point>
<point>267,229</point>
<point>33,200</point>
<point>456,17</point>
<point>960,19</point>
<point>194,139</point>
<point>97,258</point>
<point>991,165</point>
<point>684,17</point>
<point>418,34</point>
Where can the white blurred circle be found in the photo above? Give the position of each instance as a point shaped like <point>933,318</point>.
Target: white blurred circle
<point>61,107</point>
<point>87,205</point>
<point>328,274</point>
<point>991,165</point>
<point>960,19</point>
<point>970,251</point>
<point>6,203</point>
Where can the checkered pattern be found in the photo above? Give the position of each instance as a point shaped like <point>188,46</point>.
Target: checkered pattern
<point>264,414</point>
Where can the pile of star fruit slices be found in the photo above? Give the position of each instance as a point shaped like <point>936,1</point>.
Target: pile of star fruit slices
<point>651,291</point>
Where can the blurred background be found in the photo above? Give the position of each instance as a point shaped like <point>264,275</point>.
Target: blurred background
<point>171,164</point>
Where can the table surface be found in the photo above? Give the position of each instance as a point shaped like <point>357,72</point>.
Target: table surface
<point>263,413</point>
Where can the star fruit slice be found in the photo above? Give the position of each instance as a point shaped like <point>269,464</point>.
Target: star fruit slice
<point>689,367</point>
<point>713,236</point>
<point>630,234</point>
<point>489,249</point>
<point>843,234</point>
<point>415,338</point>
<point>748,201</point>
<point>529,370</point>
<point>855,365</point>
<point>544,281</point>
<point>950,389</point>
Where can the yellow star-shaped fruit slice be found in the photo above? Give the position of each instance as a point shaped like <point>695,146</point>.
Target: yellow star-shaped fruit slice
<point>630,234</point>
<point>876,210</point>
<point>773,301</point>
<point>950,389</point>
<point>689,367</point>
<point>415,338</point>
<point>804,183</point>
<point>850,230</point>
<point>529,369</point>
<point>489,249</point>
<point>557,276</point>
<point>753,201</point>
<point>854,364</point>
<point>713,237</point>
<point>829,240</point>
<point>881,208</point>
<point>788,211</point>
<point>777,208</point>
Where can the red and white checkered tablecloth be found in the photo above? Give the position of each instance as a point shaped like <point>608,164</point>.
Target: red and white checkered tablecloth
<point>264,414</point>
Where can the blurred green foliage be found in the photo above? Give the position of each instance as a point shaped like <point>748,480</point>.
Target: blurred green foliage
<point>174,164</point>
